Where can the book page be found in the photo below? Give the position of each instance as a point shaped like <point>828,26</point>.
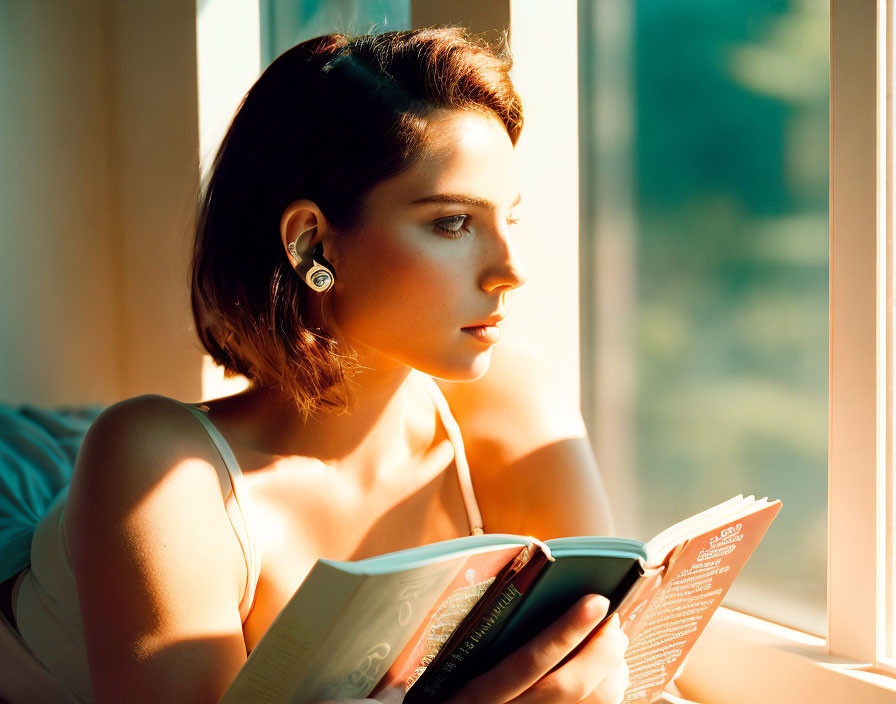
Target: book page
<point>633,607</point>
<point>698,574</point>
<point>660,547</point>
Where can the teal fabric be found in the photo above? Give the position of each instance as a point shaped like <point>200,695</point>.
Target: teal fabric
<point>38,447</point>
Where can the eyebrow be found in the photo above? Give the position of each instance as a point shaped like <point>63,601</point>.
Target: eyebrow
<point>463,199</point>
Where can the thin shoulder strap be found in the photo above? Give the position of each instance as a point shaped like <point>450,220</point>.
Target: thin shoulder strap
<point>460,458</point>
<point>237,503</point>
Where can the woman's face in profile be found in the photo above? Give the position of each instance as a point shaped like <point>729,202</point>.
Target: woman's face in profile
<point>434,257</point>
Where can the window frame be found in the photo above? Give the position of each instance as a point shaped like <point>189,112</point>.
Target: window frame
<point>741,658</point>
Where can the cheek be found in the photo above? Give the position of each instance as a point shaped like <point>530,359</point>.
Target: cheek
<point>403,281</point>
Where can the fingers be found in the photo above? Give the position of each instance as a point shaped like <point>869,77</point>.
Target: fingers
<point>612,690</point>
<point>530,663</point>
<point>597,674</point>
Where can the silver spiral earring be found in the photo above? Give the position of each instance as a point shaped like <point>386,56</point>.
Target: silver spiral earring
<point>319,278</point>
<point>316,271</point>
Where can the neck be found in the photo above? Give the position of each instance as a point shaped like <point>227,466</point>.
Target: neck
<point>380,429</point>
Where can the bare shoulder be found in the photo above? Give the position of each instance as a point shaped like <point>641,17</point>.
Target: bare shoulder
<point>143,460</point>
<point>145,512</point>
<point>532,464</point>
<point>135,443</point>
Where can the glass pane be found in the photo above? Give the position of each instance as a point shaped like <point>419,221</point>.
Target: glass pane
<point>705,160</point>
<point>285,23</point>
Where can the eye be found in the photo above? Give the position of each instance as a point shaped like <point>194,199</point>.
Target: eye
<point>455,226</point>
<point>512,220</point>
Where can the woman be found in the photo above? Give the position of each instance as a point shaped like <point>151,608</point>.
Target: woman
<point>354,244</point>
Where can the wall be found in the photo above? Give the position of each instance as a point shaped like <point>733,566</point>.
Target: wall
<point>98,140</point>
<point>58,256</point>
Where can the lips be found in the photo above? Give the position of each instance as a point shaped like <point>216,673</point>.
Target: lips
<point>491,321</point>
<point>489,334</point>
<point>486,330</point>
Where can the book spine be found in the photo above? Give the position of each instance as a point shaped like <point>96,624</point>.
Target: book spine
<point>454,664</point>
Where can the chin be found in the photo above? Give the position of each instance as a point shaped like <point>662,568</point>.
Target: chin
<point>469,369</point>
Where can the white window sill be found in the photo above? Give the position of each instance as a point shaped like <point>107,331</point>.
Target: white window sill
<point>740,659</point>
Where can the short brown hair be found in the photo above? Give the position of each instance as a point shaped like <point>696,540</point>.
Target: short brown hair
<point>327,121</point>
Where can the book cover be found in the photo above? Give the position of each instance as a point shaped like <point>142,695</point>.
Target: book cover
<point>541,598</point>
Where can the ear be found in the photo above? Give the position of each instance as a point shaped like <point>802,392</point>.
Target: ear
<point>304,224</point>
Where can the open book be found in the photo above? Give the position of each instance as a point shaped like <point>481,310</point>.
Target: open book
<point>429,619</point>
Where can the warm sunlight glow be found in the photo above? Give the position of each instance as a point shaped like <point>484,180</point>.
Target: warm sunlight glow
<point>228,56</point>
<point>215,385</point>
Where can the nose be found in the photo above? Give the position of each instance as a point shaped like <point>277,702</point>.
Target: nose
<point>504,271</point>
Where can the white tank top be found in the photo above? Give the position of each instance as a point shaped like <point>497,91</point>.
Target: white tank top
<point>46,607</point>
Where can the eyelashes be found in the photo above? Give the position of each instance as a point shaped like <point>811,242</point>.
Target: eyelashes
<point>456,225</point>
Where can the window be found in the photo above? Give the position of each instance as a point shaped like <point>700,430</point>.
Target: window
<point>285,23</point>
<point>740,658</point>
<point>705,163</point>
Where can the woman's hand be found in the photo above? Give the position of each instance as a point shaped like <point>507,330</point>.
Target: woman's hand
<point>595,674</point>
